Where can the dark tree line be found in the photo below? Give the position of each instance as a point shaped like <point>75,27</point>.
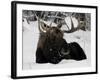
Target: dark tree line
<point>58,17</point>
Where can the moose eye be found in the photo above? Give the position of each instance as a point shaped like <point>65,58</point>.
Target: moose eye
<point>57,31</point>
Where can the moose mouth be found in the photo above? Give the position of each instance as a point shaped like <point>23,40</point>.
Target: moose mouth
<point>55,60</point>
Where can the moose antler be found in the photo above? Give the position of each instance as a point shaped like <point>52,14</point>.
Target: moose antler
<point>40,24</point>
<point>43,25</point>
<point>73,28</point>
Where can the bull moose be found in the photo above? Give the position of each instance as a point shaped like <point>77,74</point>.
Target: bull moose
<point>52,47</point>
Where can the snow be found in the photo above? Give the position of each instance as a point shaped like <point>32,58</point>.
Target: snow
<point>30,40</point>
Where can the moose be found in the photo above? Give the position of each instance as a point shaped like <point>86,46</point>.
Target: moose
<point>52,47</point>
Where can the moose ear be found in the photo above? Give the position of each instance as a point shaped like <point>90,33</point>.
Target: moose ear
<point>43,26</point>
<point>59,25</point>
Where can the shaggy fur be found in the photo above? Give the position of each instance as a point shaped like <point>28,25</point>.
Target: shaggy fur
<point>53,48</point>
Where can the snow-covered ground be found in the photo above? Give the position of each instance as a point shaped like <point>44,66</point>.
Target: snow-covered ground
<point>30,40</point>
